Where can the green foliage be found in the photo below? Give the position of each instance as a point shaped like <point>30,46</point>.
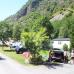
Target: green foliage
<point>44,54</point>
<point>63,32</point>
<point>49,28</point>
<point>57,28</point>
<point>65,28</point>
<point>69,23</point>
<point>5,30</point>
<point>32,17</point>
<point>32,22</point>
<point>68,28</point>
<point>72,36</point>
<point>65,47</point>
<point>57,24</point>
<point>35,28</point>
<point>34,40</point>
<point>43,7</point>
<point>36,60</point>
<point>16,32</point>
<point>6,51</point>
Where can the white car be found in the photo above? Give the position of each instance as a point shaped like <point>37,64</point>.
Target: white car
<point>14,44</point>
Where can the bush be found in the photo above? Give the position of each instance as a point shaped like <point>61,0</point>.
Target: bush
<point>65,47</point>
<point>36,60</point>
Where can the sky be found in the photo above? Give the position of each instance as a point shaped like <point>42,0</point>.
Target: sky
<point>10,7</point>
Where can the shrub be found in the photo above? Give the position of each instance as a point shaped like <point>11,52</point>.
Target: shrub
<point>65,47</point>
<point>36,60</point>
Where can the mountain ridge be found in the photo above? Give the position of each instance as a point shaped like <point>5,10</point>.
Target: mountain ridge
<point>44,7</point>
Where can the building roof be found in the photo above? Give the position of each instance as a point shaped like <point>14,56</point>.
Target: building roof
<point>61,39</point>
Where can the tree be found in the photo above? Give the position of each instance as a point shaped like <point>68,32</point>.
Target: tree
<point>32,22</point>
<point>63,32</point>
<point>49,28</point>
<point>16,32</point>
<point>65,47</point>
<point>5,30</point>
<point>72,36</point>
<point>34,40</point>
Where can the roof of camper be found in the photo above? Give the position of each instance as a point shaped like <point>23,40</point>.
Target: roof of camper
<point>61,39</point>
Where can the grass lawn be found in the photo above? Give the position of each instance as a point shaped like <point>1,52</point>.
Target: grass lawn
<point>19,57</point>
<point>44,54</point>
<point>12,54</point>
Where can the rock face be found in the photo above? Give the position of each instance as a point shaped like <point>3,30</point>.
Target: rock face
<point>26,9</point>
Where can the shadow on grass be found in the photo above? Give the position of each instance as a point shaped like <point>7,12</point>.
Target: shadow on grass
<point>9,50</point>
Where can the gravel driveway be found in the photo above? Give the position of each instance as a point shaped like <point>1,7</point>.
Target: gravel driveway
<point>9,66</point>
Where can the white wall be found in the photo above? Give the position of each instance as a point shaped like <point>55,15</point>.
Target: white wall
<point>59,44</point>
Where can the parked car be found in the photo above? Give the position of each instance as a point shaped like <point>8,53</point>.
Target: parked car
<point>16,43</point>
<point>17,46</point>
<point>21,50</point>
<point>58,55</point>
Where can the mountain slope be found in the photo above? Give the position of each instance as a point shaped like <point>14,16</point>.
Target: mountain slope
<point>44,7</point>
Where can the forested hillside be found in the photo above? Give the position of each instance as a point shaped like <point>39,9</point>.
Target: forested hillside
<point>42,20</point>
<point>44,7</point>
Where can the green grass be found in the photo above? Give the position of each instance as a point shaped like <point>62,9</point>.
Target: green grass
<point>44,54</point>
<point>19,57</point>
<point>12,54</point>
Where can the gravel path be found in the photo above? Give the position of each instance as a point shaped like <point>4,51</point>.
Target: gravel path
<point>9,66</point>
